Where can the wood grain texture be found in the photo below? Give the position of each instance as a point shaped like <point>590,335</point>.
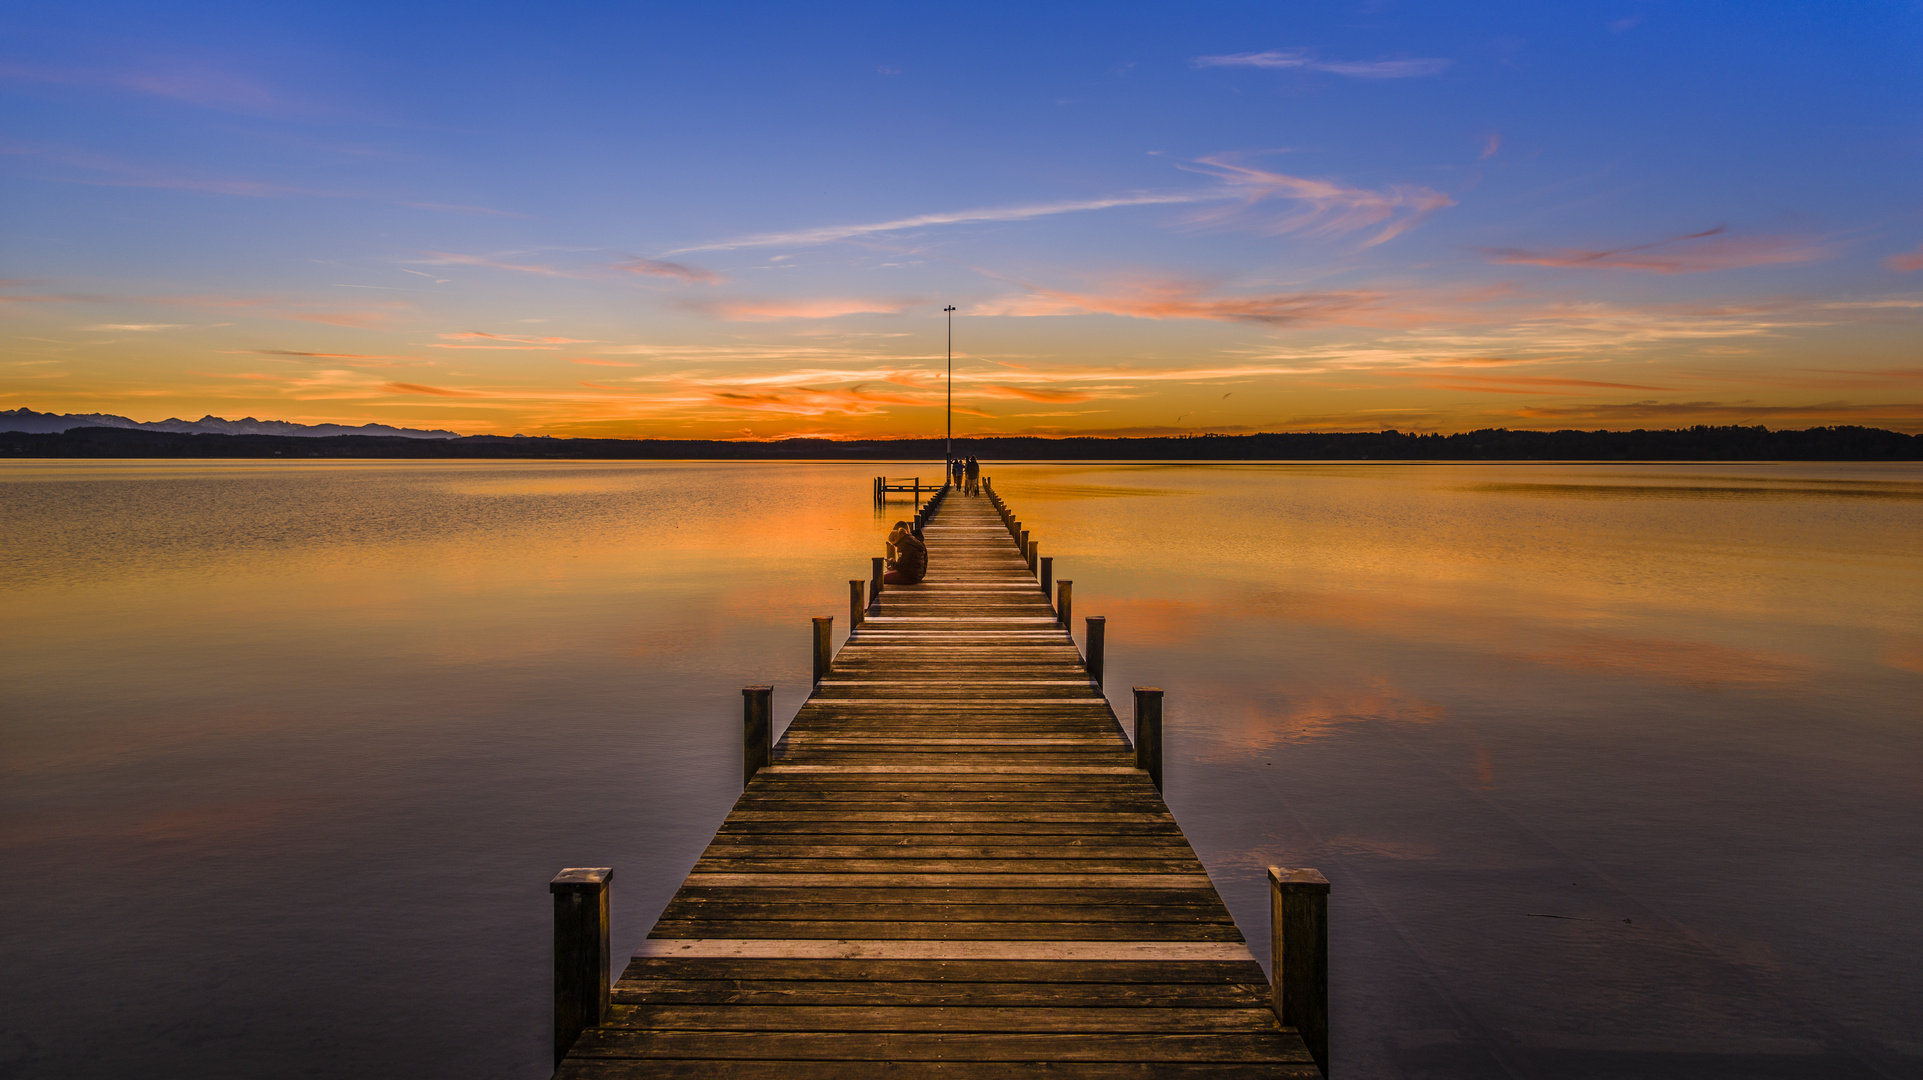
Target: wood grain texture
<point>951,867</point>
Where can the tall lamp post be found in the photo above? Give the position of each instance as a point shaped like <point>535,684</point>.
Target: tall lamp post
<point>950,309</point>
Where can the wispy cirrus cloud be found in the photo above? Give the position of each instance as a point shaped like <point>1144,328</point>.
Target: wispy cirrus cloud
<point>431,391</point>
<point>1321,207</point>
<point>1691,253</point>
<point>193,84</point>
<point>805,308</point>
<point>830,233</point>
<point>455,258</point>
<point>516,263</point>
<point>1537,385</point>
<point>1173,299</point>
<point>476,339</point>
<point>363,319</point>
<point>1906,262</point>
<point>816,401</point>
<point>661,268</point>
<point>355,359</point>
<point>1306,60</point>
<point>1053,397</point>
<point>110,172</point>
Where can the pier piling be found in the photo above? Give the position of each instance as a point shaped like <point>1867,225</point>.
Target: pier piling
<point>1148,733</point>
<point>757,730</point>
<point>824,637</point>
<point>581,967</point>
<point>1299,955</point>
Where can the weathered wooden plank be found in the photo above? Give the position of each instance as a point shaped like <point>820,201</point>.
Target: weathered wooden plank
<point>984,897</point>
<point>1114,995</point>
<point>940,930</point>
<point>735,847</point>
<point>997,1046</point>
<point>909,862</point>
<point>952,881</point>
<point>931,949</point>
<point>1243,972</point>
<point>962,1018</point>
<point>705,1069</point>
<point>819,909</point>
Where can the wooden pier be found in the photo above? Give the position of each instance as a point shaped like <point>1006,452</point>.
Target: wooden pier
<point>953,863</point>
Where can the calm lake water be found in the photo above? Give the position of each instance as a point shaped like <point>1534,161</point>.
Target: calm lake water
<point>1617,769</point>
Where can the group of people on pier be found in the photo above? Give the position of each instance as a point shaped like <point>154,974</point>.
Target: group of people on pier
<point>966,474</point>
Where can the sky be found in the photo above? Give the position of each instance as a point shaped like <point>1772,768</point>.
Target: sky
<point>735,220</point>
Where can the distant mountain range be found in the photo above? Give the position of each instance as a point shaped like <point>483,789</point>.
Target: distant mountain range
<point>46,423</point>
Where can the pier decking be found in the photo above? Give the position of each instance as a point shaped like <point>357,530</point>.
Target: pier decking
<point>952,867</point>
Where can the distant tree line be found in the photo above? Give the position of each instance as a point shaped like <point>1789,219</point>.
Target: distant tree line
<point>1701,443</point>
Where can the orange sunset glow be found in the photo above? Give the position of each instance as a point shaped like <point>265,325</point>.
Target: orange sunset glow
<point>1201,234</point>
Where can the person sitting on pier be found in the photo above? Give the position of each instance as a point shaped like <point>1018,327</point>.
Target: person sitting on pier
<point>973,472</point>
<point>907,556</point>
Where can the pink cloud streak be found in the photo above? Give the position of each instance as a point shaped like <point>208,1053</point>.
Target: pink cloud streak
<point>664,269</point>
<point>820,308</point>
<point>1906,262</point>
<point>1692,253</point>
<point>1178,300</point>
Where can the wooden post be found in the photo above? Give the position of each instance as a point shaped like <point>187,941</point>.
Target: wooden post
<point>757,730</point>
<point>856,603</point>
<point>580,953</point>
<point>881,567</point>
<point>824,644</point>
<point>1021,543</point>
<point>1097,643</point>
<point>1048,574</point>
<point>1064,597</point>
<point>1299,955</point>
<point>1148,732</point>
<point>1034,556</point>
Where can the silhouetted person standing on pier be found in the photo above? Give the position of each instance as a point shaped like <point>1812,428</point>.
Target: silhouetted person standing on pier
<point>972,477</point>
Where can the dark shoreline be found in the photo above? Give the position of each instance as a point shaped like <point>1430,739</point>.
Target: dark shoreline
<point>1682,444</point>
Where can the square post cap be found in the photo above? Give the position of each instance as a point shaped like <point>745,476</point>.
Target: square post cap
<point>1297,880</point>
<point>581,879</point>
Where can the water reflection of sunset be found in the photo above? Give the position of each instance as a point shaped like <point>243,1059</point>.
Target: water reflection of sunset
<point>1472,705</point>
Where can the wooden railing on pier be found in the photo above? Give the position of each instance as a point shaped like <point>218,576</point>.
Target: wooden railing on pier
<point>952,863</point>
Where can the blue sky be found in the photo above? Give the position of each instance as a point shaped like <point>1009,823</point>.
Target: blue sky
<point>743,220</point>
